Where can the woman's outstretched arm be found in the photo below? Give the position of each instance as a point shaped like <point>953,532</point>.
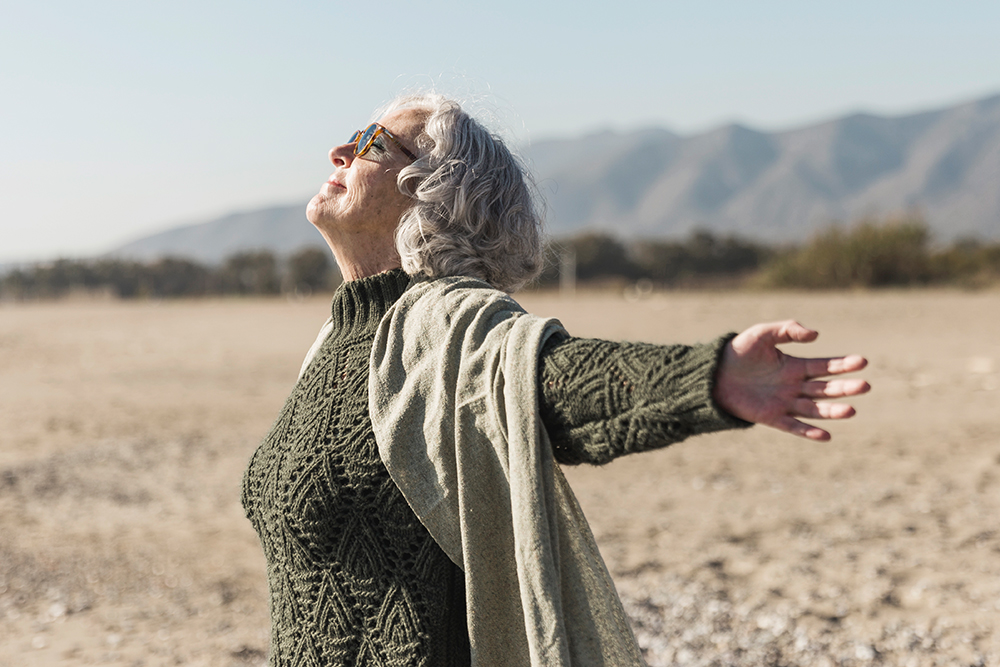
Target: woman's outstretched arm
<point>601,399</point>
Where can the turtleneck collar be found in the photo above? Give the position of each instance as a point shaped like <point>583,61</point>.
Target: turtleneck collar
<point>358,305</point>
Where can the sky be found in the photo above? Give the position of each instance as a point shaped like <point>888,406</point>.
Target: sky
<point>121,118</point>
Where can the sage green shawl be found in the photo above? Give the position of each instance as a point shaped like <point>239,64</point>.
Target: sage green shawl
<point>454,406</point>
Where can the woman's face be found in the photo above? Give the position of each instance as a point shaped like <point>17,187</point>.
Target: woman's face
<point>361,195</point>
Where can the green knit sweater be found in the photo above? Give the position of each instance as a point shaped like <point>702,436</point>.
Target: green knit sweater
<point>355,579</point>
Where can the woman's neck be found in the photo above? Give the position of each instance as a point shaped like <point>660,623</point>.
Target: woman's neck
<point>360,256</point>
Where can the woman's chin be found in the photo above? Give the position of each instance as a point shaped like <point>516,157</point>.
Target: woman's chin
<point>318,209</point>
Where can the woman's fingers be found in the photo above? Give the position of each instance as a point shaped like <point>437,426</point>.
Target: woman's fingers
<point>817,368</point>
<point>807,408</point>
<point>835,388</point>
<point>777,333</point>
<point>791,331</point>
<point>810,409</point>
<point>801,429</point>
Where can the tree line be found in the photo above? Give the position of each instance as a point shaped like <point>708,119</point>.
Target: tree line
<point>246,273</point>
<point>871,253</point>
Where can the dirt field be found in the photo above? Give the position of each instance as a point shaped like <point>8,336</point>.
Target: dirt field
<point>126,427</point>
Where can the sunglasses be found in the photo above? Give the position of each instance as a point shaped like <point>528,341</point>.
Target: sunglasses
<point>363,140</point>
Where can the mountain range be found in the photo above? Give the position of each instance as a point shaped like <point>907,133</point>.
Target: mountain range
<point>769,186</point>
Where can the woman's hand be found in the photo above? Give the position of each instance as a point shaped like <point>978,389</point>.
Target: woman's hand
<point>758,383</point>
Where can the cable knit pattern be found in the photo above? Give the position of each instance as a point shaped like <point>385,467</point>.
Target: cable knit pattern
<point>355,579</point>
<point>601,399</point>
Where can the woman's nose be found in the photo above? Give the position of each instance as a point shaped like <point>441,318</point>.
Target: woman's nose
<point>342,156</point>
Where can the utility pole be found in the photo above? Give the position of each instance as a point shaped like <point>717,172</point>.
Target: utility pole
<point>567,272</point>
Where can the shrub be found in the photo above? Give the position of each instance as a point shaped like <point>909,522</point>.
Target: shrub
<point>869,254</point>
<point>600,255</point>
<point>253,272</point>
<point>702,258</point>
<point>309,270</point>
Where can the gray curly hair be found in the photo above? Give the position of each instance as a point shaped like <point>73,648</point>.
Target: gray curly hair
<point>475,208</point>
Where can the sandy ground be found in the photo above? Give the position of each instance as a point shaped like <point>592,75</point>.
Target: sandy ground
<point>126,427</point>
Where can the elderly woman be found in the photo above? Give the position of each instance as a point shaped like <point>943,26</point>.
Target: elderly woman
<point>407,497</point>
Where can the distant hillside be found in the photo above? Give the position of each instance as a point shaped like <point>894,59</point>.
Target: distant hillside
<point>281,229</point>
<point>784,185</point>
<point>778,186</point>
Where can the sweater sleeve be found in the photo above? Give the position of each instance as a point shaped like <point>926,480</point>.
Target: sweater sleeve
<point>602,399</point>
